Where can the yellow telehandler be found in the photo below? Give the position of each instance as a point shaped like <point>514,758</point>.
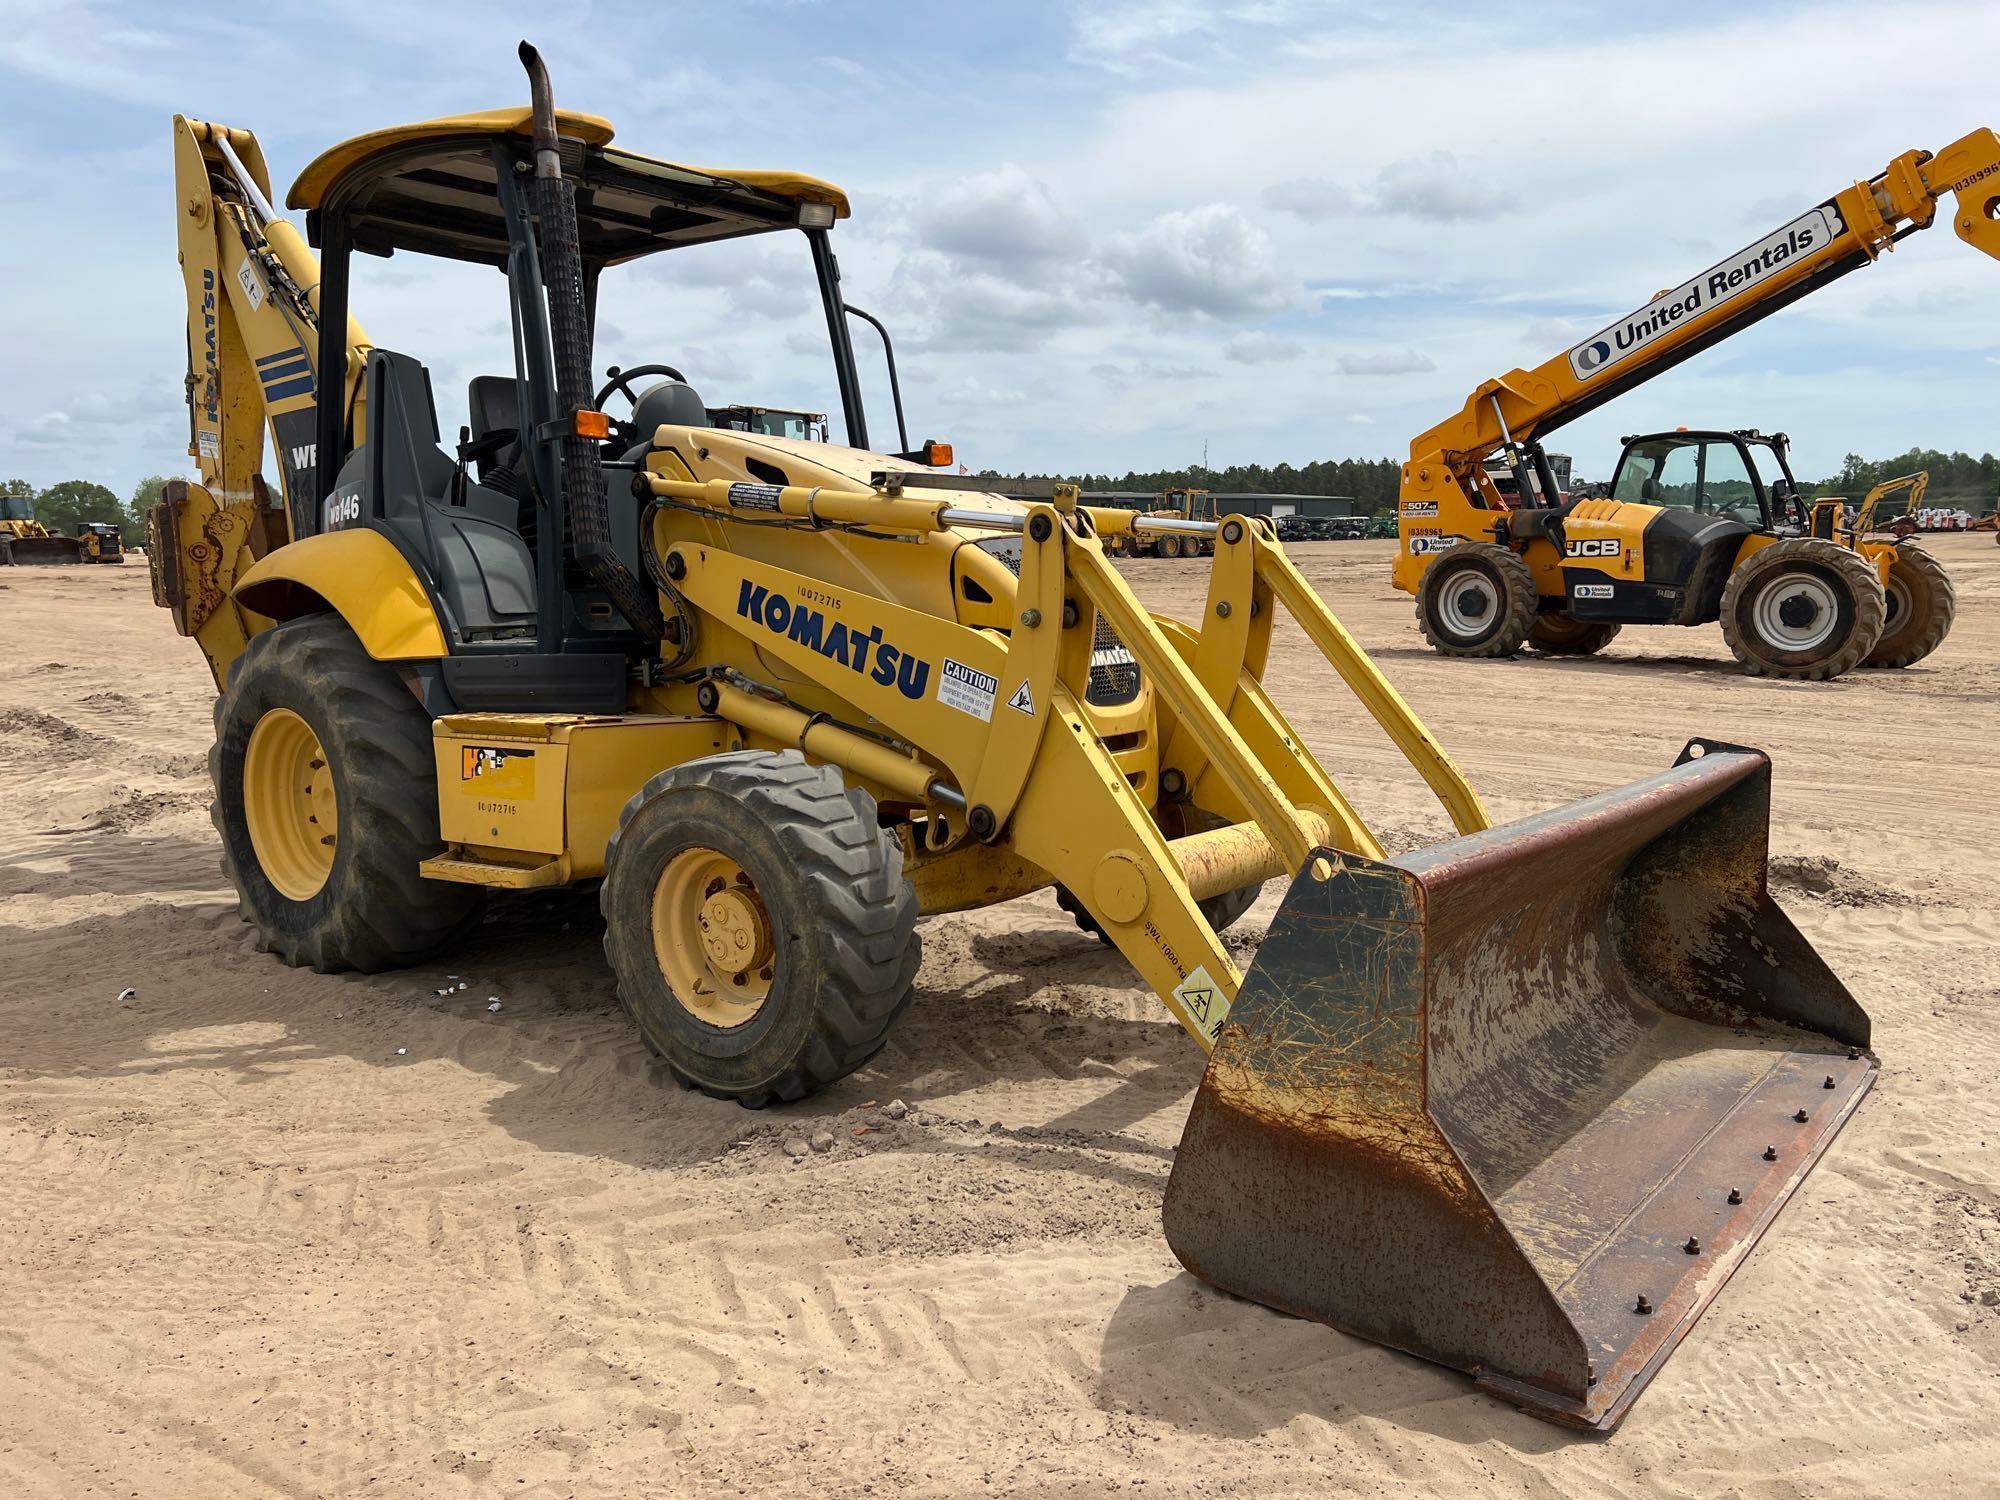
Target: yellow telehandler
<point>1693,531</point>
<point>1518,1103</point>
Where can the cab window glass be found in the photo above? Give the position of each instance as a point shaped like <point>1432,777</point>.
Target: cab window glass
<point>1665,472</point>
<point>1726,486</point>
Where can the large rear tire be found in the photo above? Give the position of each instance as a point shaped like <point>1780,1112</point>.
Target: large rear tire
<point>1561,635</point>
<point>1478,599</point>
<point>326,801</point>
<point>1168,546</point>
<point>758,921</point>
<point>1921,604</point>
<point>1804,609</point>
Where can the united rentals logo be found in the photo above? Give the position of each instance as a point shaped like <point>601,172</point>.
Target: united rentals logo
<point>1720,283</point>
<point>851,646</point>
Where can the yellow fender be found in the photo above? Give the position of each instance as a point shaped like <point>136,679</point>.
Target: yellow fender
<point>361,577</point>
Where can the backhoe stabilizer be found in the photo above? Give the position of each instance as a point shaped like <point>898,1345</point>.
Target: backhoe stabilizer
<point>1521,1102</point>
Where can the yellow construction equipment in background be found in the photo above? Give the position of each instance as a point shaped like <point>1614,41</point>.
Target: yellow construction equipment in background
<point>1518,1103</point>
<point>1694,531</point>
<point>26,542</point>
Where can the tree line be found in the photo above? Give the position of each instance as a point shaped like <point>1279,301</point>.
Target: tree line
<point>61,506</point>
<point>1957,479</point>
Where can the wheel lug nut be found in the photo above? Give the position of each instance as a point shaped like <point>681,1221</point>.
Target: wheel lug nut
<point>1643,1305</point>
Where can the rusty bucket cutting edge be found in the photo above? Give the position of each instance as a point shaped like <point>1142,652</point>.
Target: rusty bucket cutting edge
<point>1519,1103</point>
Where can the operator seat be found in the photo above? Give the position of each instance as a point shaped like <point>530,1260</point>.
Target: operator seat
<point>670,403</point>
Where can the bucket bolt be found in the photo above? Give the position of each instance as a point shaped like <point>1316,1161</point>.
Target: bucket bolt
<point>1693,1246</point>
<point>1770,1153</point>
<point>1854,1054</point>
<point>1802,1117</point>
<point>1829,1082</point>
<point>1736,1195</point>
<point>1643,1305</point>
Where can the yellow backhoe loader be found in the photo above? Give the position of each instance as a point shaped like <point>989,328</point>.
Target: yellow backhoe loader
<point>1518,1103</point>
<point>1693,531</point>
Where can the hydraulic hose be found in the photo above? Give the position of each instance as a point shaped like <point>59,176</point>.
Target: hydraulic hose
<point>569,330</point>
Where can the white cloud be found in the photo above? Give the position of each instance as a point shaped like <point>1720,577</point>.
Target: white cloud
<point>1208,260</point>
<point>1004,217</point>
<point>1388,362</point>
<point>1261,349</point>
<point>1436,188</point>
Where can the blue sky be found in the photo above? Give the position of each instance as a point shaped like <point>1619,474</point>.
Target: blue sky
<point>1104,234</point>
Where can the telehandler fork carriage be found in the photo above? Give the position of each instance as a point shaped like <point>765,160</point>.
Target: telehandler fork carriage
<point>1517,1103</point>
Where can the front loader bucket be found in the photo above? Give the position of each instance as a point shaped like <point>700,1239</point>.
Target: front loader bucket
<point>46,551</point>
<point>1521,1102</point>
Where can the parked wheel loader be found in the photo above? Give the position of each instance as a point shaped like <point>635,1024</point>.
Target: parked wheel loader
<point>26,542</point>
<point>1518,1103</point>
<point>1691,533</point>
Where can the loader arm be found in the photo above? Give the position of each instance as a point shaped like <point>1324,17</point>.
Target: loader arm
<point>1513,412</point>
<point>252,336</point>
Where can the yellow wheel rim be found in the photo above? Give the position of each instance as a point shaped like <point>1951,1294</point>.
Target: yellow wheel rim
<point>712,937</point>
<point>289,804</point>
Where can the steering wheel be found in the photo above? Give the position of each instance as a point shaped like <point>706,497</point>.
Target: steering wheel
<point>621,381</point>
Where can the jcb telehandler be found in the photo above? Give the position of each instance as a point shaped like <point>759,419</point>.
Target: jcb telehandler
<point>1692,531</point>
<point>1518,1103</point>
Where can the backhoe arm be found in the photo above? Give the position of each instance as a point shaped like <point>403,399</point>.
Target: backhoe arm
<point>252,320</point>
<point>1841,234</point>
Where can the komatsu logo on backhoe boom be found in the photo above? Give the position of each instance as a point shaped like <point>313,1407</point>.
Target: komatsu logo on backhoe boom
<point>1718,284</point>
<point>851,646</point>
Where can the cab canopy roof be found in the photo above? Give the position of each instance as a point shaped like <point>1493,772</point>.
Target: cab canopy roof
<point>430,187</point>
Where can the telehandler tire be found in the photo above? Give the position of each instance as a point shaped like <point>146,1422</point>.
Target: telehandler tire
<point>1561,635</point>
<point>1478,599</point>
<point>1804,609</point>
<point>1921,606</point>
<point>326,801</point>
<point>756,858</point>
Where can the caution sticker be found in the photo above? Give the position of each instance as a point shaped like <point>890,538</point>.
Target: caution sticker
<point>253,288</point>
<point>967,689</point>
<point>1202,998</point>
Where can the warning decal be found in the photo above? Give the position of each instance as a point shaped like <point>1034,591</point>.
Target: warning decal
<point>1023,699</point>
<point>967,689</point>
<point>1202,998</point>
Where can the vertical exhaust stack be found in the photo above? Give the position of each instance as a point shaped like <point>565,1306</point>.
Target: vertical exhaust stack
<point>569,329</point>
<point>1521,1102</point>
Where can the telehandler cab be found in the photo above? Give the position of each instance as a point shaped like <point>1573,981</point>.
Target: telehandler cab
<point>1691,532</point>
<point>782,697</point>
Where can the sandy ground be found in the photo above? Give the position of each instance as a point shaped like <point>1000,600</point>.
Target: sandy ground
<point>267,1233</point>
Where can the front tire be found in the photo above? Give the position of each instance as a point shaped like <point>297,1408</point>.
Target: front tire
<point>758,921</point>
<point>1921,604</point>
<point>1562,635</point>
<point>1478,599</point>
<point>1804,609</point>
<point>326,801</point>
<point>1168,546</point>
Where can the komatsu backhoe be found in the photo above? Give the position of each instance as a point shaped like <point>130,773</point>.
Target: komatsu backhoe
<point>1693,532</point>
<point>1518,1103</point>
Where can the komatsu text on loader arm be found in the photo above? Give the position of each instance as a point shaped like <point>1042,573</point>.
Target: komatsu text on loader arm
<point>782,697</point>
<point>1699,527</point>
